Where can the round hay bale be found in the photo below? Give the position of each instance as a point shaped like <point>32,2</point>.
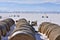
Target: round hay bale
<point>3,29</point>
<point>27,26</point>
<point>8,24</point>
<point>24,33</point>
<point>7,27</point>
<point>21,22</point>
<point>9,21</point>
<point>55,34</point>
<point>22,36</point>
<point>44,26</point>
<point>50,28</point>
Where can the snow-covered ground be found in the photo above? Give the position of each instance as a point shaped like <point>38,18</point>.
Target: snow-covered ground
<point>54,18</point>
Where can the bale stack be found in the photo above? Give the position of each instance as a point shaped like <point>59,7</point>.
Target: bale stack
<point>51,30</point>
<point>23,31</point>
<point>5,26</point>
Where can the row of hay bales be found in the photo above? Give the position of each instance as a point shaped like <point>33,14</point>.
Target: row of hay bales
<point>5,26</point>
<point>23,31</point>
<point>51,30</point>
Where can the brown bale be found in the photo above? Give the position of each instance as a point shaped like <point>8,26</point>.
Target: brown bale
<point>22,36</point>
<point>50,28</point>
<point>24,23</point>
<point>55,34</point>
<point>43,27</point>
<point>3,29</point>
<point>26,31</point>
<point>21,22</point>
<point>26,27</point>
<point>9,21</point>
<point>7,27</point>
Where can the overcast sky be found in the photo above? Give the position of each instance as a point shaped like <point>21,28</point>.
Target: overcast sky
<point>29,5</point>
<point>31,1</point>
